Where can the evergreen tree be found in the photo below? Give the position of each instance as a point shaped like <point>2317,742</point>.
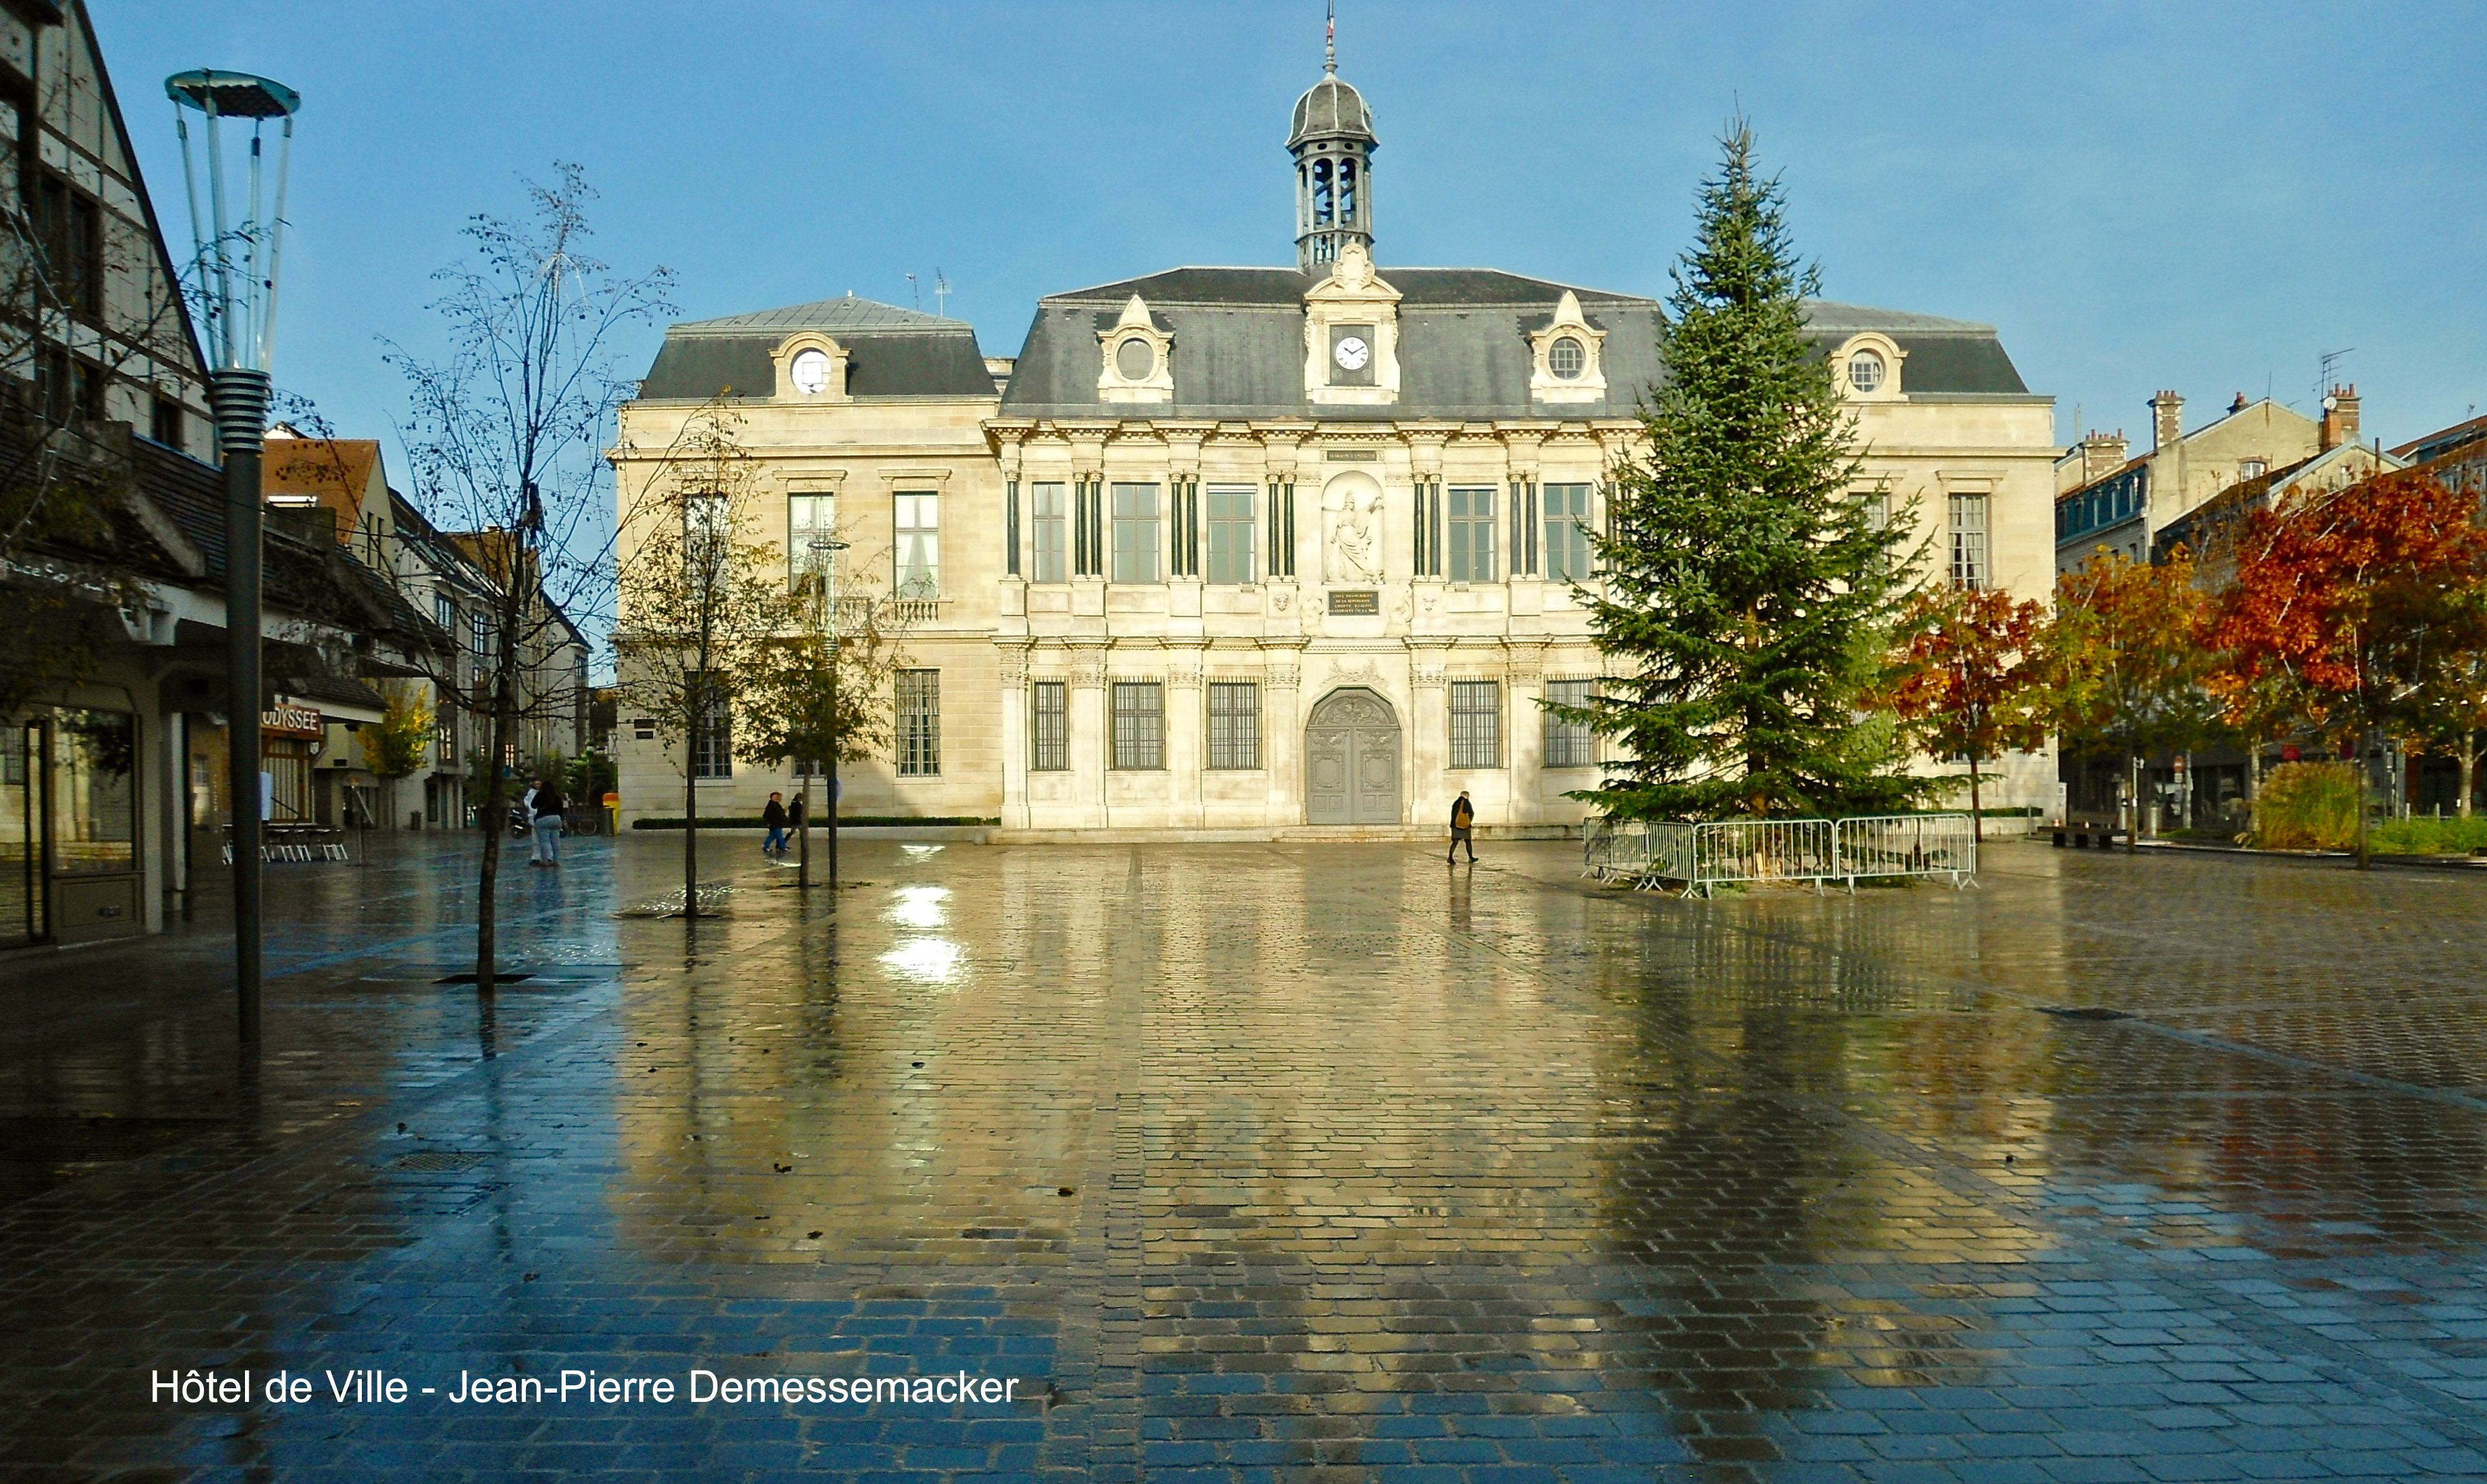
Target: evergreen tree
<point>1749,593</point>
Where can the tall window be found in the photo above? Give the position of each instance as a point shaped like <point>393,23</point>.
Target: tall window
<point>1566,533</point>
<point>444,612</point>
<point>918,527</point>
<point>713,757</point>
<point>1049,725</point>
<point>1139,724</point>
<point>919,723</point>
<point>1471,534</point>
<point>1052,529</point>
<point>1234,724</point>
<point>1135,533</point>
<point>1968,540</point>
<point>1569,743</point>
<point>1230,533</point>
<point>1477,722</point>
<point>809,519</point>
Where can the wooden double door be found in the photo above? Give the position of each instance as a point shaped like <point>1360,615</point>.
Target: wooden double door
<point>1352,759</point>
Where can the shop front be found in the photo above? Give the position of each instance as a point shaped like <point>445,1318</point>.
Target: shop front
<point>68,826</point>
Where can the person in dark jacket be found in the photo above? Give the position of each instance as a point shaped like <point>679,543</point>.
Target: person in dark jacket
<point>1462,826</point>
<point>774,817</point>
<point>546,802</point>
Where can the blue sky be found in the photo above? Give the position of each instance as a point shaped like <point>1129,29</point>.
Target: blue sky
<point>2196,196</point>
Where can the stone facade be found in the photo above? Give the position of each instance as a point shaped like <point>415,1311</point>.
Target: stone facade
<point>1259,550</point>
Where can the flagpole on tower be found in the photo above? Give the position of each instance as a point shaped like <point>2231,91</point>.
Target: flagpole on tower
<point>1329,41</point>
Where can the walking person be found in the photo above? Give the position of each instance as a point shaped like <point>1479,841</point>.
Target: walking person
<point>776,819</point>
<point>544,805</point>
<point>1463,827</point>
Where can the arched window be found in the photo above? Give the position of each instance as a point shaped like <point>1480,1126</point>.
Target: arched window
<point>1321,193</point>
<point>1346,190</point>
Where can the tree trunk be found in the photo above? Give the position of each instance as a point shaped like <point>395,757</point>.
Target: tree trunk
<point>2469,769</point>
<point>2365,750</point>
<point>486,901</point>
<point>803,838</point>
<point>1977,814</point>
<point>2133,803</point>
<point>690,814</point>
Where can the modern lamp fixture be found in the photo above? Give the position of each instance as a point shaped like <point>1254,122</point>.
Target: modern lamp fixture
<point>240,237</point>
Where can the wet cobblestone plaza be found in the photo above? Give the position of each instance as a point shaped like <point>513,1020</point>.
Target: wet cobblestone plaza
<point>1270,1163</point>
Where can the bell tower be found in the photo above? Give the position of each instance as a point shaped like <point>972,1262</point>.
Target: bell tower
<point>1332,142</point>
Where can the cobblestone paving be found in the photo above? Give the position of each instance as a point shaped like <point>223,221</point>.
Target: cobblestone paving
<point>1271,1163</point>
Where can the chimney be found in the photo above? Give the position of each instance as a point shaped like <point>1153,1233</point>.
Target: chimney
<point>2101,453</point>
<point>2166,420</point>
<point>2340,418</point>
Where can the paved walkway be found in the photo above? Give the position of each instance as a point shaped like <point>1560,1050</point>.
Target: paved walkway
<point>1268,1163</point>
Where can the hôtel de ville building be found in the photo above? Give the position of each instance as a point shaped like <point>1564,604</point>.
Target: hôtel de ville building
<point>1256,552</point>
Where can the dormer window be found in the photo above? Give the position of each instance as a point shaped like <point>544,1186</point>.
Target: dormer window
<point>810,371</point>
<point>1564,357</point>
<point>1868,367</point>
<point>1136,356</point>
<point>1866,371</point>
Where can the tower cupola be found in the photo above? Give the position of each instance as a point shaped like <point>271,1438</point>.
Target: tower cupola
<point>1332,142</point>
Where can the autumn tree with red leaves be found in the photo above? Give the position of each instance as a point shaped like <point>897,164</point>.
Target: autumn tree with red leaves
<point>1968,678</point>
<point>2128,666</point>
<point>2356,595</point>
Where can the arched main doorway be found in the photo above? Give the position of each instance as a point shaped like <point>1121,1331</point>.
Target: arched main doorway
<point>1352,759</point>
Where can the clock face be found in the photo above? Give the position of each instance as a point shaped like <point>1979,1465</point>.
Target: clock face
<point>1351,352</point>
<point>810,371</point>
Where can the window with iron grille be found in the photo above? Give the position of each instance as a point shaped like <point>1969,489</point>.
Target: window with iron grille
<point>1139,724</point>
<point>1135,533</point>
<point>713,757</point>
<point>1566,533</point>
<point>1569,743</point>
<point>1230,533</point>
<point>1471,533</point>
<point>1234,724</point>
<point>1051,556</point>
<point>1968,540</point>
<point>919,723</point>
<point>1477,722</point>
<point>1049,725</point>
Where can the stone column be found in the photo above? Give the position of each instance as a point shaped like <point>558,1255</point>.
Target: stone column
<point>1187,737</point>
<point>1283,733</point>
<point>1525,756</point>
<point>1429,742</point>
<point>1013,665</point>
<point>1089,723</point>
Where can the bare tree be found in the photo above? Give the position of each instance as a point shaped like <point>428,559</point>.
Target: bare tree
<point>504,441</point>
<point>702,601</point>
<point>824,689</point>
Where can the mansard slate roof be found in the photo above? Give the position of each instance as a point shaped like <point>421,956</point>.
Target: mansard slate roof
<point>1239,346</point>
<point>896,352</point>
<point>1945,357</point>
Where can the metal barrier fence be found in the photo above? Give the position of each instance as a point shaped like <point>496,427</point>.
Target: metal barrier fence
<point>1701,857</point>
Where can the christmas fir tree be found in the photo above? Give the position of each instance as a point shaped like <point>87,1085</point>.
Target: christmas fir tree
<point>1749,590</point>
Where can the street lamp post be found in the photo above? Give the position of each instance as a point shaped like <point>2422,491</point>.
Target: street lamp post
<point>240,237</point>
<point>829,622</point>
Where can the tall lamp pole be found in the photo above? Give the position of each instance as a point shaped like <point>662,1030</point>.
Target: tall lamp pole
<point>829,622</point>
<point>240,237</point>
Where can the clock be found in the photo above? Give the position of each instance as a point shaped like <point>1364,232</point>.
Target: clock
<point>810,371</point>
<point>1351,352</point>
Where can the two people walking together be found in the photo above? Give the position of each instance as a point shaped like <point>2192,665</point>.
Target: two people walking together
<point>778,819</point>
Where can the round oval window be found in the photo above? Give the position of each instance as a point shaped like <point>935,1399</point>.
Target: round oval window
<point>1135,358</point>
<point>1566,357</point>
<point>1866,371</point>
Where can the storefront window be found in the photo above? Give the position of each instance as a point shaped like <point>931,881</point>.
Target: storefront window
<point>95,815</point>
